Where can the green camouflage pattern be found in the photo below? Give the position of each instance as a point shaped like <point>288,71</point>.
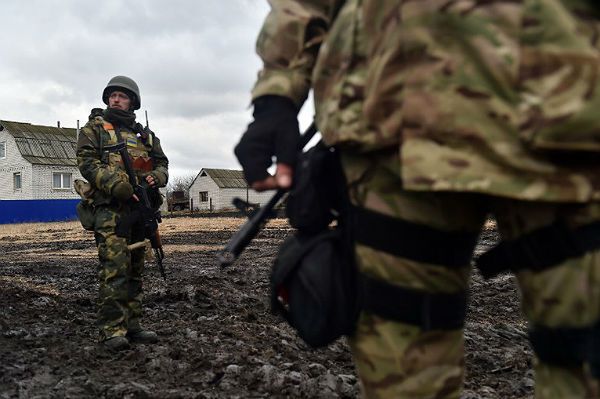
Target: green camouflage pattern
<point>120,268</point>
<point>477,96</point>
<point>104,174</point>
<point>397,360</point>
<point>119,273</point>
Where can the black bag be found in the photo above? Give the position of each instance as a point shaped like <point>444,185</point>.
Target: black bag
<point>313,285</point>
<point>313,280</point>
<point>319,190</point>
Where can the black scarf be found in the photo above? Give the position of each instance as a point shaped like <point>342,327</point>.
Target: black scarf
<point>119,117</point>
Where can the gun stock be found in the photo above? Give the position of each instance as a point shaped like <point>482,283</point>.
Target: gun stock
<point>240,240</point>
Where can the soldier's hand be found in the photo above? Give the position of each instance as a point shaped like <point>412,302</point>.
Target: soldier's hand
<point>282,179</point>
<point>150,180</point>
<point>122,191</point>
<point>274,132</point>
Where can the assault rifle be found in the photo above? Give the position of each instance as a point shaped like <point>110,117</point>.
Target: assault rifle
<point>150,217</point>
<point>256,220</point>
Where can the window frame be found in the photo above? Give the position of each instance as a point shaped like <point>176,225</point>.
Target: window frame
<point>20,178</point>
<point>203,195</point>
<point>62,180</point>
<point>3,146</point>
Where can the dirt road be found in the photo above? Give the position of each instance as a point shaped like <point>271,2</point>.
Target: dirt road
<point>218,338</point>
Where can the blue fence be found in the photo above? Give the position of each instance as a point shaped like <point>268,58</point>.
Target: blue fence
<point>51,210</point>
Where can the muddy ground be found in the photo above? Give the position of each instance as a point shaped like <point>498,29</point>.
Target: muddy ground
<point>218,338</point>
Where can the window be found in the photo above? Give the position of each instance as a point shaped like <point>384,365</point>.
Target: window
<point>203,196</point>
<point>2,150</point>
<point>17,180</point>
<point>61,180</point>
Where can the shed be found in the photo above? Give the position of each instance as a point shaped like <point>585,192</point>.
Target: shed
<point>215,189</point>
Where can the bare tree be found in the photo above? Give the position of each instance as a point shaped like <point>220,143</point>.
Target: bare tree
<point>180,183</point>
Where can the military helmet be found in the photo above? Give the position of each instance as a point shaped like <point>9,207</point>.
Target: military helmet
<point>128,86</point>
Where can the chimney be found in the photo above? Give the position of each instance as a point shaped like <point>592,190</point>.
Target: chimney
<point>77,129</point>
<point>58,123</point>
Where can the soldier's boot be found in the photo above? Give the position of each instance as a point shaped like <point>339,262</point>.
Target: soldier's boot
<point>142,336</point>
<point>116,344</point>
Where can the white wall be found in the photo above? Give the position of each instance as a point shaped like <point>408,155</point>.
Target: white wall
<point>42,182</point>
<point>228,194</point>
<point>222,197</point>
<point>204,183</point>
<point>14,162</point>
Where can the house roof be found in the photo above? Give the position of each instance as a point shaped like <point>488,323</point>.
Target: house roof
<point>225,178</point>
<point>44,145</point>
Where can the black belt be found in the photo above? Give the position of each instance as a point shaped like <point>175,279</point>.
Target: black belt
<point>411,240</point>
<point>439,311</point>
<point>540,249</point>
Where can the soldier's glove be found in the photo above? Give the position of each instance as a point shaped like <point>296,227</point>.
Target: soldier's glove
<point>122,191</point>
<point>158,177</point>
<point>274,132</point>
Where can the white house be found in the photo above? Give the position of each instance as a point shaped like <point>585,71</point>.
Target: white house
<point>37,162</point>
<point>214,189</point>
<point>37,169</point>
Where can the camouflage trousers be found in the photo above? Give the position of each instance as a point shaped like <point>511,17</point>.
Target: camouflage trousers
<point>398,360</point>
<point>119,272</point>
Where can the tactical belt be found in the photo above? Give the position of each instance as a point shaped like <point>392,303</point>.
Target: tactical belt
<point>568,347</point>
<point>540,249</point>
<point>429,311</point>
<point>412,241</point>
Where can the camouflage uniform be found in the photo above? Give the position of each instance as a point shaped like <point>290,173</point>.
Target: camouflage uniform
<point>445,111</point>
<point>120,269</point>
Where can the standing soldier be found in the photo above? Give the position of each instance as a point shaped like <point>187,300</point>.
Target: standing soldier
<point>111,196</point>
<point>443,112</point>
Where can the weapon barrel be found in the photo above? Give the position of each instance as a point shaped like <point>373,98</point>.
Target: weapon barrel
<point>248,231</point>
<point>240,240</point>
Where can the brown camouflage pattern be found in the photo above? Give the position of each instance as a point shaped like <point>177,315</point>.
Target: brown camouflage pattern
<point>478,96</point>
<point>120,268</point>
<point>396,360</point>
<point>434,102</point>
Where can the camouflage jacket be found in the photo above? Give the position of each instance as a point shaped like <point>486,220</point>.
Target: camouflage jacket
<point>478,96</point>
<point>103,169</point>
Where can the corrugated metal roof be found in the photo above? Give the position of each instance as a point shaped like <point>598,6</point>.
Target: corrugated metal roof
<point>44,145</point>
<point>227,178</point>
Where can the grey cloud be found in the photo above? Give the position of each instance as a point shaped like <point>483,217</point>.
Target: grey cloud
<point>194,62</point>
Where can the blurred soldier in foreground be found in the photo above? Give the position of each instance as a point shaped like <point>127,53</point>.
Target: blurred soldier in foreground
<point>445,112</point>
<point>109,212</point>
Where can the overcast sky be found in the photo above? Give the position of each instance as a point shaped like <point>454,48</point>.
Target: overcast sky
<point>194,61</point>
